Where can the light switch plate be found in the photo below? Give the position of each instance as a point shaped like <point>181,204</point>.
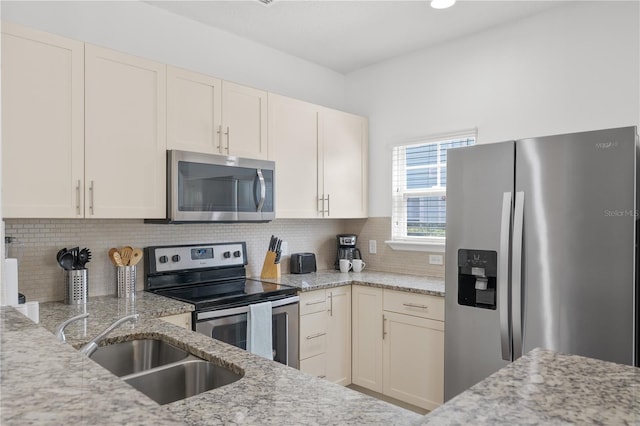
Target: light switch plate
<point>435,259</point>
<point>372,247</point>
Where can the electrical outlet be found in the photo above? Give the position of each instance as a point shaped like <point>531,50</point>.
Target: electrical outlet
<point>435,259</point>
<point>284,248</point>
<point>372,247</point>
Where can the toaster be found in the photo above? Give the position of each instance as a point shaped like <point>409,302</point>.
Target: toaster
<point>303,263</point>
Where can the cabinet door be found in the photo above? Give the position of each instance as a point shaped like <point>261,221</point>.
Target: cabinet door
<point>367,337</point>
<point>414,359</point>
<point>125,141</point>
<point>293,145</point>
<point>194,103</point>
<point>313,334</point>
<point>339,332</point>
<point>42,124</point>
<point>244,121</point>
<point>345,159</point>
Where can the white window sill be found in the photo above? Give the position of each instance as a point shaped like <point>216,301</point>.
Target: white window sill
<point>433,247</point>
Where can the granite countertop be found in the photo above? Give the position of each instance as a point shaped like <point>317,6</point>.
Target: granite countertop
<point>546,387</point>
<point>44,381</point>
<point>331,278</point>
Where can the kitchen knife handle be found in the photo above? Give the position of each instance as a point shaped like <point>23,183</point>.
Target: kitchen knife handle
<point>516,275</point>
<point>503,278</point>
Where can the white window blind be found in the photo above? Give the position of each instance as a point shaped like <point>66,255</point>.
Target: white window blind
<point>419,188</point>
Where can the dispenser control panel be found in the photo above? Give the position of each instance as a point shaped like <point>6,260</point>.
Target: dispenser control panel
<point>477,276</point>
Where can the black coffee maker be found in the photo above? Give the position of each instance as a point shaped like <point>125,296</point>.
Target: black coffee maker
<point>346,248</point>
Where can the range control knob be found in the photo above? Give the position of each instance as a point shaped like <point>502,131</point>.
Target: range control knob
<point>175,258</point>
<point>226,254</point>
<point>163,259</point>
<point>237,253</point>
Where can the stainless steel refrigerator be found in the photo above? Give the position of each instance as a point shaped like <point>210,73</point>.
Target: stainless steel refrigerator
<point>541,251</point>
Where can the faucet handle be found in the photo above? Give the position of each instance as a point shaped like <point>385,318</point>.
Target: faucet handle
<point>59,331</point>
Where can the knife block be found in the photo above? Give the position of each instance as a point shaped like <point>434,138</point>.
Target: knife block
<point>270,269</point>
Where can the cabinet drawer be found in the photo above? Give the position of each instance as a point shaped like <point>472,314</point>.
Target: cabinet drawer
<point>316,365</point>
<point>419,305</point>
<point>313,334</point>
<point>313,301</point>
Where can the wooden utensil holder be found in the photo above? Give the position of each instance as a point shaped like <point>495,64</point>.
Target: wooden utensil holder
<point>269,268</point>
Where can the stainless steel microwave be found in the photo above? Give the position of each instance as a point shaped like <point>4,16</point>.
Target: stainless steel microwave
<point>217,188</point>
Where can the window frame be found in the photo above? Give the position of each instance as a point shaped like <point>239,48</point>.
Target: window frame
<point>399,238</point>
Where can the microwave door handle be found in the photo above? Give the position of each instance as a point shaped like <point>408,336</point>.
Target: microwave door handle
<point>263,190</point>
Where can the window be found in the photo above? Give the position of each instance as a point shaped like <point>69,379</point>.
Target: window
<point>419,188</point>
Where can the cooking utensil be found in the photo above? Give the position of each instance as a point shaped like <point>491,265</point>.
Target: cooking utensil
<point>84,256</point>
<point>67,260</point>
<point>74,252</point>
<point>60,253</point>
<point>125,254</point>
<point>136,256</point>
<point>114,255</point>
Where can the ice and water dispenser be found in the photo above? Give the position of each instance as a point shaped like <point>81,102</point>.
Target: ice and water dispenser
<point>477,271</point>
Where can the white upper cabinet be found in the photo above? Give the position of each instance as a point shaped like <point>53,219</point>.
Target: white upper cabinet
<point>125,140</point>
<point>344,164</point>
<point>194,111</point>
<point>293,145</point>
<point>321,160</point>
<point>42,124</point>
<point>244,121</point>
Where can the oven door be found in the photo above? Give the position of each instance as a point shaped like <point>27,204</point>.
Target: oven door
<point>230,326</point>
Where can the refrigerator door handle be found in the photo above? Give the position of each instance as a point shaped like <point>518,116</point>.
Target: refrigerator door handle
<point>516,275</point>
<point>503,277</point>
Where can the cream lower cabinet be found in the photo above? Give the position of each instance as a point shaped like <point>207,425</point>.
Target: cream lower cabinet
<point>325,334</point>
<point>125,140</point>
<point>398,345</point>
<point>321,156</point>
<point>181,320</point>
<point>42,124</point>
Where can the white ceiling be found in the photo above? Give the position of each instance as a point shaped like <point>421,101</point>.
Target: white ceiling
<point>348,35</point>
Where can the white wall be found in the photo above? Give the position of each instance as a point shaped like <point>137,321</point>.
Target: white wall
<point>140,29</point>
<point>571,68</point>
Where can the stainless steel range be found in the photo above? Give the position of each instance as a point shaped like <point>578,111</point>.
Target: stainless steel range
<point>213,278</point>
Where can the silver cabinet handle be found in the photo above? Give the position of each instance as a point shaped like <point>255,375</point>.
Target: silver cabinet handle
<point>384,331</point>
<point>322,377</point>
<point>328,206</point>
<point>330,304</point>
<point>323,211</point>
<point>413,305</point>
<point>228,133</point>
<point>315,336</point>
<point>315,303</point>
<point>78,197</point>
<point>263,190</point>
<point>516,276</point>
<point>219,132</point>
<point>503,277</point>
<point>91,191</point>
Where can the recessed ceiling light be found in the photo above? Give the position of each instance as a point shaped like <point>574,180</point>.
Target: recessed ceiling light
<point>442,4</point>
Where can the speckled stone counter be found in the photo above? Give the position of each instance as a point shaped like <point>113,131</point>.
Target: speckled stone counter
<point>548,388</point>
<point>47,382</point>
<point>330,278</point>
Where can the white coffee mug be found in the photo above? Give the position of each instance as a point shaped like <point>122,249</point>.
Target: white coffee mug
<point>345,265</point>
<point>358,265</point>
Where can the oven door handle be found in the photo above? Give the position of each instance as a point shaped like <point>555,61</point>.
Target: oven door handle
<point>242,309</point>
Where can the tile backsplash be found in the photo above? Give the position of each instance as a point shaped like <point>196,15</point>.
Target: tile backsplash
<point>38,241</point>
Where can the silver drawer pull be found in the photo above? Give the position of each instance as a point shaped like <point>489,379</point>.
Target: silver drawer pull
<point>322,377</point>
<point>314,303</point>
<point>413,305</point>
<point>315,335</point>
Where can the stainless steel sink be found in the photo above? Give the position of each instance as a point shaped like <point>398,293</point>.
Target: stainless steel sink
<point>182,380</point>
<point>162,371</point>
<point>134,356</point>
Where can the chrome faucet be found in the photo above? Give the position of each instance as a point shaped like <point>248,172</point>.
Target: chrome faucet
<point>59,331</point>
<point>91,347</point>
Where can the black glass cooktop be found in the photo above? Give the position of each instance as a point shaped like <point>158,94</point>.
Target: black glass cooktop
<point>228,293</point>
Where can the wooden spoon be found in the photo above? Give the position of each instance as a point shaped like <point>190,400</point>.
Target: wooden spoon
<point>136,256</point>
<point>114,255</point>
<point>125,254</point>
